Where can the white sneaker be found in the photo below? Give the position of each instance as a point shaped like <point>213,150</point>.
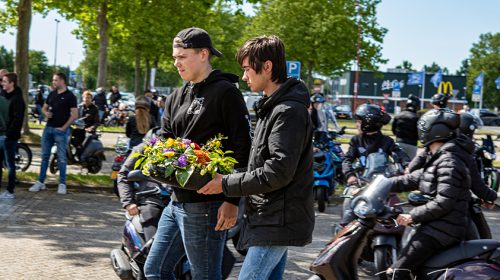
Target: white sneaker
<point>37,187</point>
<point>61,189</point>
<point>7,195</point>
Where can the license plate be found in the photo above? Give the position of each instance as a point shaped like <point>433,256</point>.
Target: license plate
<point>114,174</point>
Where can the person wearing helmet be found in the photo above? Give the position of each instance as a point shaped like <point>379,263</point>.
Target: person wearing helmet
<point>369,120</point>
<point>101,102</point>
<point>139,124</point>
<point>446,178</point>
<point>319,115</point>
<point>439,101</point>
<point>404,126</point>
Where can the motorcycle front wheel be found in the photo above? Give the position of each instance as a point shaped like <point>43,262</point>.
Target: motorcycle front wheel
<point>321,196</point>
<point>53,165</point>
<point>23,157</point>
<point>492,181</point>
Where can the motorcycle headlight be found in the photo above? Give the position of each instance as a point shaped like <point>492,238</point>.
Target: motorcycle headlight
<point>361,209</point>
<point>489,155</point>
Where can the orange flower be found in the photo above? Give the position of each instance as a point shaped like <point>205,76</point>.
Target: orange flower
<point>202,156</point>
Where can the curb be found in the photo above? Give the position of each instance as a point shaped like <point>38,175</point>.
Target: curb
<point>72,188</point>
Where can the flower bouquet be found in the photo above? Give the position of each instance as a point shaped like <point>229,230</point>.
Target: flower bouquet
<point>182,163</point>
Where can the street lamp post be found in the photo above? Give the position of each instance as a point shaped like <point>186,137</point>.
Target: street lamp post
<point>375,88</point>
<point>55,49</point>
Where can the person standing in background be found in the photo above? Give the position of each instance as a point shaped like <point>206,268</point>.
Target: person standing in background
<point>61,110</point>
<point>404,127</point>
<point>17,108</point>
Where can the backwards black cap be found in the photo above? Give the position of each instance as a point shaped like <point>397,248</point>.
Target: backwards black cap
<point>194,38</point>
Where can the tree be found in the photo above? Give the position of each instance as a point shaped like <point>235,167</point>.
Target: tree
<point>434,67</point>
<point>323,34</point>
<point>485,57</point>
<point>39,67</point>
<point>406,65</point>
<point>464,68</point>
<point>6,59</point>
<point>22,46</point>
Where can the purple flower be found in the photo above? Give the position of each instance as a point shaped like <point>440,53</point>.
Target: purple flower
<point>182,161</point>
<point>186,141</point>
<point>169,150</point>
<point>151,141</point>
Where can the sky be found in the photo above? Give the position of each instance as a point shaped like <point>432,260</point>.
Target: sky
<point>420,31</point>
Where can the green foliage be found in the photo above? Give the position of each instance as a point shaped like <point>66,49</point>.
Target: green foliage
<point>434,67</point>
<point>485,57</point>
<point>6,59</point>
<point>39,67</point>
<point>322,34</point>
<point>406,65</point>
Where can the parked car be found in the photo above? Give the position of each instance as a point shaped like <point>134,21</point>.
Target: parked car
<point>343,111</point>
<point>128,98</point>
<point>488,117</point>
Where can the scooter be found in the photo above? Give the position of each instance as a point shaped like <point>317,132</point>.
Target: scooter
<point>485,155</point>
<point>384,242</point>
<point>90,158</point>
<point>128,261</point>
<point>327,165</point>
<point>122,150</point>
<point>339,259</point>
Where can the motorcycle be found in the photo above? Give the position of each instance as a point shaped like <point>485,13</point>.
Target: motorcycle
<point>384,242</point>
<point>128,261</point>
<point>90,158</point>
<point>23,157</point>
<point>339,259</point>
<point>122,150</point>
<point>327,165</point>
<point>118,116</point>
<point>485,155</point>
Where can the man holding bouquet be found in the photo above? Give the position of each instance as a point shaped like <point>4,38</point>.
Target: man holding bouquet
<point>279,180</point>
<point>207,105</point>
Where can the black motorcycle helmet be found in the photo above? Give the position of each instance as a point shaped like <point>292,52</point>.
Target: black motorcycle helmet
<point>317,98</point>
<point>413,103</point>
<point>372,117</point>
<point>438,125</point>
<point>469,123</point>
<point>440,100</point>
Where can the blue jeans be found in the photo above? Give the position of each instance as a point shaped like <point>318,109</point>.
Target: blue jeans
<point>50,136</point>
<point>41,116</point>
<point>187,228</point>
<point>264,262</point>
<point>9,156</point>
<point>101,116</point>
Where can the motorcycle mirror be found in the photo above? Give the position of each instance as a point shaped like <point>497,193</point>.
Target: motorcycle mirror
<point>342,130</point>
<point>417,199</point>
<point>136,176</point>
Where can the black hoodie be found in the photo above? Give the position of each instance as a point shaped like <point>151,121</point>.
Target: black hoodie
<point>200,112</point>
<point>16,113</point>
<point>279,180</point>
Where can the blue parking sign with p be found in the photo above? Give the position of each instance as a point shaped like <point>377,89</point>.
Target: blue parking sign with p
<point>293,69</point>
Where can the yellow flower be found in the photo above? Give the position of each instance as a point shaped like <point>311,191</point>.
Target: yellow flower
<point>169,154</point>
<point>170,142</point>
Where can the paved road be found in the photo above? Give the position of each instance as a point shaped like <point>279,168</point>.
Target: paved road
<point>49,236</point>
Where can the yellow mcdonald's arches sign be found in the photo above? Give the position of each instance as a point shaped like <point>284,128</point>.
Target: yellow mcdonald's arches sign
<point>446,88</point>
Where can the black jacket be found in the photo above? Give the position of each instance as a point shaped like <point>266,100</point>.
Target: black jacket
<point>279,180</point>
<point>127,190</point>
<point>100,101</point>
<point>363,145</point>
<point>404,127</point>
<point>115,97</point>
<point>477,184</point>
<point>445,177</point>
<point>200,112</point>
<point>16,113</point>
<point>91,114</point>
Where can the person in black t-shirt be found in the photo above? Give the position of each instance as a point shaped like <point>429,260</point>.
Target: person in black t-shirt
<point>60,109</point>
<point>90,112</point>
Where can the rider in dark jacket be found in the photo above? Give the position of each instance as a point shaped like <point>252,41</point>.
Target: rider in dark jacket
<point>446,178</point>
<point>404,126</point>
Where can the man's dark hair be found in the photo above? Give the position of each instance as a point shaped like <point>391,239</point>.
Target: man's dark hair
<point>12,77</point>
<point>258,50</point>
<point>63,77</point>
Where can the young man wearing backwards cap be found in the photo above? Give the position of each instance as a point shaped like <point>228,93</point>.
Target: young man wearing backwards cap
<point>209,103</point>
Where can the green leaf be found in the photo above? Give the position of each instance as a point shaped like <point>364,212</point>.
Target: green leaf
<point>183,176</point>
<point>138,164</point>
<point>169,169</point>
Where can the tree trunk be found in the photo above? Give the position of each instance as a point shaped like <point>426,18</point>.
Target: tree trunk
<point>309,78</point>
<point>147,76</point>
<point>103,24</point>
<point>137,80</point>
<point>22,47</point>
